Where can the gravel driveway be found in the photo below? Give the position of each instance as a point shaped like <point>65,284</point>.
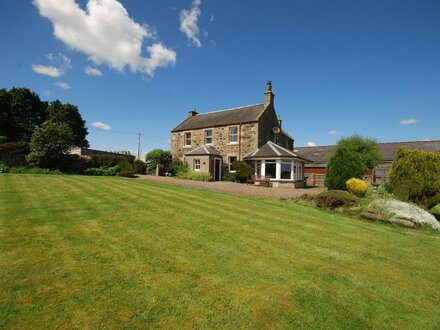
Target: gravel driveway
<point>236,188</point>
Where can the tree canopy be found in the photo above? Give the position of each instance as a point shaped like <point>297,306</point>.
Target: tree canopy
<point>22,112</point>
<point>49,145</point>
<point>157,157</point>
<point>352,157</point>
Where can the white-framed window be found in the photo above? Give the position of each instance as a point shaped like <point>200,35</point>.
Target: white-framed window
<point>208,136</point>
<point>231,159</point>
<point>187,139</point>
<point>233,134</point>
<point>196,164</point>
<point>286,170</point>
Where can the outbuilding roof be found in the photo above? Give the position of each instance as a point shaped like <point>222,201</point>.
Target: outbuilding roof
<point>203,150</point>
<point>321,155</point>
<point>245,114</point>
<point>272,150</point>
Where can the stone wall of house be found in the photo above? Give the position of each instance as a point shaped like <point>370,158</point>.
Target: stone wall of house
<point>267,122</point>
<point>247,137</point>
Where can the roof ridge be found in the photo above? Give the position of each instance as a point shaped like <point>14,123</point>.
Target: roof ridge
<point>399,142</point>
<point>230,109</point>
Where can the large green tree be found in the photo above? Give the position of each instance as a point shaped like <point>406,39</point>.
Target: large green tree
<point>157,157</point>
<point>21,112</point>
<point>58,112</point>
<point>50,144</point>
<point>352,157</point>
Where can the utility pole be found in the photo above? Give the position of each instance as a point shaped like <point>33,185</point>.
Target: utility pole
<point>139,146</point>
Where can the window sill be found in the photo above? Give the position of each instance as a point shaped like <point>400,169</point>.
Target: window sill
<point>232,143</point>
<point>187,146</point>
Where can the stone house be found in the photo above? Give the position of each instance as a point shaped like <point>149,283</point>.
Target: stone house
<point>251,133</point>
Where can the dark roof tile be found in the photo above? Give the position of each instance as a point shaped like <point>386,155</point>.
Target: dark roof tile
<point>246,114</point>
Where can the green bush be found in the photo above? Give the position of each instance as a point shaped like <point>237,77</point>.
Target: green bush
<point>4,168</point>
<point>242,170</point>
<point>139,167</point>
<point>158,157</point>
<point>436,211</point>
<point>415,176</point>
<point>351,158</point>
<point>75,164</point>
<point>14,153</point>
<point>228,176</point>
<point>33,170</point>
<point>196,176</point>
<point>126,170</point>
<point>357,187</point>
<point>103,171</point>
<point>334,198</point>
<point>176,167</point>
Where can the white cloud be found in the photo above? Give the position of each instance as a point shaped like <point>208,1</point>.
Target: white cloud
<point>311,144</point>
<point>105,32</point>
<point>409,121</point>
<point>48,70</point>
<point>333,132</point>
<point>101,125</point>
<point>211,19</point>
<point>47,92</point>
<point>62,85</point>
<point>92,71</point>
<point>426,139</point>
<point>188,23</point>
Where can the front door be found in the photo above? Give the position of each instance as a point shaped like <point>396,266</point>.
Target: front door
<point>217,169</point>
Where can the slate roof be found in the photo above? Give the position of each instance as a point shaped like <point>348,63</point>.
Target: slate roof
<point>321,155</point>
<point>246,114</point>
<point>203,150</point>
<point>272,150</point>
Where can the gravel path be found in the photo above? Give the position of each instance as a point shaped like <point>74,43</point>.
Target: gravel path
<point>236,188</point>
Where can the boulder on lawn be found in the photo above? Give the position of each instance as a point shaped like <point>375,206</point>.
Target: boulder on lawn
<point>373,214</point>
<point>402,222</point>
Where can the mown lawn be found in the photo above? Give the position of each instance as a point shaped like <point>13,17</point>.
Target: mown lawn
<point>95,252</point>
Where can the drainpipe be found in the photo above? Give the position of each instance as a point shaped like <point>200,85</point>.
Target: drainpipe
<point>239,141</point>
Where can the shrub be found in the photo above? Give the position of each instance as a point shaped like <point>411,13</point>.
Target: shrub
<point>242,170</point>
<point>196,176</point>
<point>351,158</point>
<point>4,168</point>
<point>228,176</point>
<point>157,157</point>
<point>103,171</point>
<point>415,176</point>
<point>139,167</point>
<point>436,211</point>
<point>357,187</point>
<point>335,198</point>
<point>75,164</point>
<point>32,170</point>
<point>126,170</point>
<point>14,153</point>
<point>108,160</point>
<point>394,208</point>
<point>176,167</point>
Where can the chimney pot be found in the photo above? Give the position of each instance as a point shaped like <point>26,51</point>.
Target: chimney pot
<point>192,113</point>
<point>268,95</point>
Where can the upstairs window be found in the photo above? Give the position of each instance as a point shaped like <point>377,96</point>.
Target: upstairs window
<point>196,165</point>
<point>233,134</point>
<point>208,136</point>
<point>187,139</point>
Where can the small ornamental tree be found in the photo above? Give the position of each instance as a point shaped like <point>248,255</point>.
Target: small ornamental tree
<point>415,176</point>
<point>352,157</point>
<point>157,157</point>
<point>49,145</point>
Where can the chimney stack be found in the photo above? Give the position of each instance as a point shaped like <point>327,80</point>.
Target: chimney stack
<point>268,95</point>
<point>192,113</point>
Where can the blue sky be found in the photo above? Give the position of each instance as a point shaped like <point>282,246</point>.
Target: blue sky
<point>337,67</point>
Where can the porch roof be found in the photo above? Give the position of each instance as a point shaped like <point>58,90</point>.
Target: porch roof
<point>271,150</point>
<point>203,150</point>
